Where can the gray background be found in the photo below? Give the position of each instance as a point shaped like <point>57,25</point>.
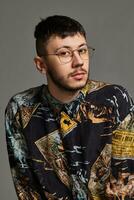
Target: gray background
<point>110,29</point>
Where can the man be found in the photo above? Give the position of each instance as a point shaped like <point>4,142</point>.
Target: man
<point>72,139</point>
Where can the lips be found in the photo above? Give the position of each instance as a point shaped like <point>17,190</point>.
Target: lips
<point>78,75</point>
<point>78,72</point>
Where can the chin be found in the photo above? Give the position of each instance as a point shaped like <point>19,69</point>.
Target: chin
<point>80,83</point>
<point>76,87</point>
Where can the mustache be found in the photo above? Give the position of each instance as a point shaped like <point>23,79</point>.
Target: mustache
<point>78,71</point>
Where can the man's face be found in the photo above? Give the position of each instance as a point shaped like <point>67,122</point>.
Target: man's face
<point>70,76</point>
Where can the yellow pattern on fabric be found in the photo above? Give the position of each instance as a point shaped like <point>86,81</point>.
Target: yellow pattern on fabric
<point>98,198</point>
<point>66,124</point>
<point>93,86</point>
<point>123,144</point>
<point>86,88</point>
<point>94,119</point>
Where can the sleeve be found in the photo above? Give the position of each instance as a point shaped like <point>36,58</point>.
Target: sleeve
<point>23,178</point>
<point>121,182</point>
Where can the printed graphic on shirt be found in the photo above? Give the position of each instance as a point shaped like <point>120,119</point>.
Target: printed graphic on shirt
<point>123,139</point>
<point>123,144</point>
<point>26,114</point>
<point>52,150</point>
<point>99,173</point>
<point>121,188</point>
<point>66,124</point>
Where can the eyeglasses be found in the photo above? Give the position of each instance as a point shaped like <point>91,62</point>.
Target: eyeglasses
<point>65,54</point>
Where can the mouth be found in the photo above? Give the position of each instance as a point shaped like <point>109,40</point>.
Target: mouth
<point>78,75</point>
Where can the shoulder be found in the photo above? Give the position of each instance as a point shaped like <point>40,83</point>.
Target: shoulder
<point>105,91</point>
<point>26,98</point>
<point>107,95</point>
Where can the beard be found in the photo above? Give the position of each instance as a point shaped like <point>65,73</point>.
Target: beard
<point>63,84</point>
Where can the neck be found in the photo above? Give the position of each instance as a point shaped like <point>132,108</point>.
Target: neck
<point>63,95</point>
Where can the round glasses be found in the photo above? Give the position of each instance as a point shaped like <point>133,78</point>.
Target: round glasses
<point>65,54</point>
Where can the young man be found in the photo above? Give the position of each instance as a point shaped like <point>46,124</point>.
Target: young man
<point>72,139</point>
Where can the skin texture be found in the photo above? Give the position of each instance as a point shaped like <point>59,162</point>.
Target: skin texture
<point>64,80</point>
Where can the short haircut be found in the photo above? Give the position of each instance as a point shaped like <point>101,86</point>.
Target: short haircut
<point>56,25</point>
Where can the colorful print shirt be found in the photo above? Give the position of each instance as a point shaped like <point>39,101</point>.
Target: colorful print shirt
<point>83,150</point>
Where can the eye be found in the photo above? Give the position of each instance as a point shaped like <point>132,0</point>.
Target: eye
<point>83,50</point>
<point>64,53</point>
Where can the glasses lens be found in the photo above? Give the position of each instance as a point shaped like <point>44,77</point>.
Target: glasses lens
<point>84,52</point>
<point>65,55</point>
<point>64,60</point>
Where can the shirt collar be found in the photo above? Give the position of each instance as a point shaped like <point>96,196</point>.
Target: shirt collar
<point>70,108</point>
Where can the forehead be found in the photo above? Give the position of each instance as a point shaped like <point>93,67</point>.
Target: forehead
<point>56,42</point>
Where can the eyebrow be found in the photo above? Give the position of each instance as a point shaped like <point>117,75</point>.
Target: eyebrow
<point>68,47</point>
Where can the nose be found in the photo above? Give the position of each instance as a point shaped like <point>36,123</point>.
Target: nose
<point>77,60</point>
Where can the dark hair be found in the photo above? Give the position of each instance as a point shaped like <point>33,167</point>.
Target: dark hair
<point>57,25</point>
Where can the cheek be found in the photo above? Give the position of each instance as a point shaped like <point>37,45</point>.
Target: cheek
<point>62,72</point>
<point>86,65</point>
<point>61,69</point>
<point>58,71</point>
<point>87,62</point>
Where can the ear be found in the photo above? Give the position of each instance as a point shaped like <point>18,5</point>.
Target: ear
<point>40,64</point>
